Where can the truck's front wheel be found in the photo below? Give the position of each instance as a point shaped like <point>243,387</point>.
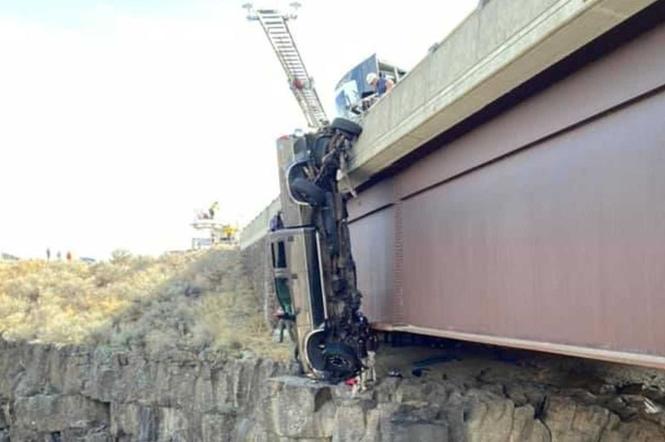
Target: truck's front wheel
<point>341,362</point>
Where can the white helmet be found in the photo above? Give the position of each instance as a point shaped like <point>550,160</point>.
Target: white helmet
<point>371,77</point>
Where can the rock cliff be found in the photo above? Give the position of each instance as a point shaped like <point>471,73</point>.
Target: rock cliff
<point>68,393</point>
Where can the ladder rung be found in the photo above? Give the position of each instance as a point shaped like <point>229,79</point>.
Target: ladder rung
<point>276,27</point>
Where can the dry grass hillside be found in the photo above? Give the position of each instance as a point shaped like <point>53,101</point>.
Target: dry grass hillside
<point>187,301</point>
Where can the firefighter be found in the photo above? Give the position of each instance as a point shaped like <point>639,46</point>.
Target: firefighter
<point>214,208</point>
<point>380,83</point>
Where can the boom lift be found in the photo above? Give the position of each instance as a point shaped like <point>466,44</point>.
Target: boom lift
<point>310,249</point>
<point>216,230</point>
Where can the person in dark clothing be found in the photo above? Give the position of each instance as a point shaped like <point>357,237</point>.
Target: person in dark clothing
<point>214,208</point>
<point>276,222</point>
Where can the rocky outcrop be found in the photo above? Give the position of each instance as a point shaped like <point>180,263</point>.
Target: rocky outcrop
<point>50,393</point>
<point>408,410</point>
<point>76,394</point>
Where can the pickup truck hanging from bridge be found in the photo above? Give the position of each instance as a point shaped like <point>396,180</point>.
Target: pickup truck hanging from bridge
<point>313,269</point>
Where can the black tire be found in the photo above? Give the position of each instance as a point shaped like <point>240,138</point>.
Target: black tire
<point>341,361</point>
<point>347,126</point>
<point>305,191</point>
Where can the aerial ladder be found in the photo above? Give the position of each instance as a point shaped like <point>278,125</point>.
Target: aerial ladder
<point>276,27</point>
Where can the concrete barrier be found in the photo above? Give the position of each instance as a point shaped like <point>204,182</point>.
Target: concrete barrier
<point>497,48</point>
<point>258,227</point>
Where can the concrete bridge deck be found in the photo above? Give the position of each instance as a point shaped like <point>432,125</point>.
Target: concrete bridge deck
<point>497,48</point>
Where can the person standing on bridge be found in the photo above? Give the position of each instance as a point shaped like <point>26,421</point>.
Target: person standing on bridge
<point>380,83</point>
<point>214,208</point>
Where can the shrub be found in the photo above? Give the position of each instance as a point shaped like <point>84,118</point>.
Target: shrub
<point>184,301</point>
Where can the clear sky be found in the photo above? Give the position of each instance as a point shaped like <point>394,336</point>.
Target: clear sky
<point>119,118</point>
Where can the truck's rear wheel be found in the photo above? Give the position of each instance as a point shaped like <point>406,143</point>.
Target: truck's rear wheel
<point>307,192</point>
<point>347,126</point>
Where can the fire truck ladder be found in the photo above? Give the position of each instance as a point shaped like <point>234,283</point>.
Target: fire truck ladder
<point>276,28</point>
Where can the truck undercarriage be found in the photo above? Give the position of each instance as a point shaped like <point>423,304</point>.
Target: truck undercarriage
<point>313,267</point>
